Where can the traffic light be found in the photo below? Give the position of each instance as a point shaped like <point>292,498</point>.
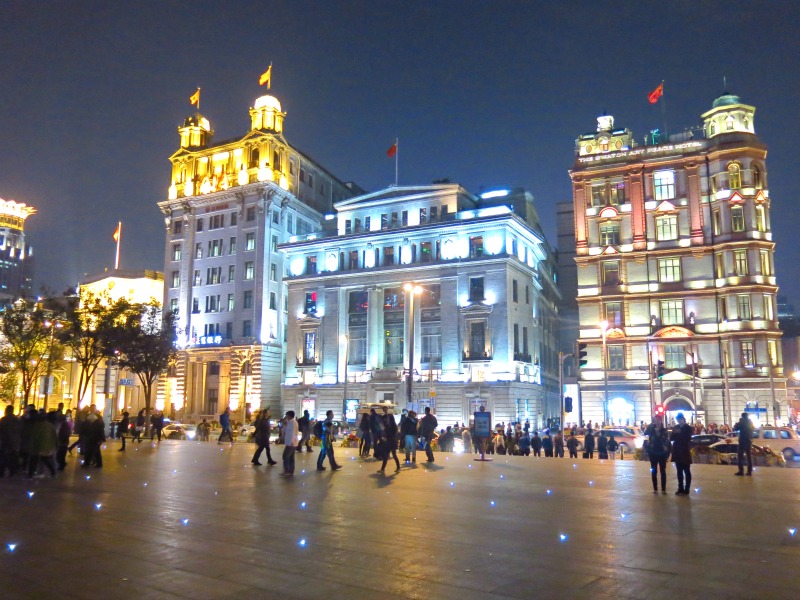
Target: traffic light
<point>660,369</point>
<point>581,355</point>
<point>660,410</point>
<point>567,404</point>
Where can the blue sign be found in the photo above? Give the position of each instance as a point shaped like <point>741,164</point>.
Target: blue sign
<point>126,381</point>
<point>483,424</point>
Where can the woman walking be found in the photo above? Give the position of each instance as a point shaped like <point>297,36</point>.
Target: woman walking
<point>389,441</point>
<point>658,450</point>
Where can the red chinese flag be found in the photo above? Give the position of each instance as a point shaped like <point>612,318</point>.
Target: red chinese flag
<point>392,151</point>
<point>656,93</point>
<point>117,231</point>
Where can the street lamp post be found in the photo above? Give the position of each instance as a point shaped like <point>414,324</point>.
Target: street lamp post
<point>604,328</point>
<point>52,325</point>
<point>412,290</point>
<point>344,339</point>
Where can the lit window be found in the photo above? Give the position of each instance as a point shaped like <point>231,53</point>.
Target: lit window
<point>664,185</point>
<point>674,356</point>
<point>761,218</point>
<point>196,279</point>
<point>769,311</point>
<point>609,234</point>
<point>669,270</point>
<point>737,218</point>
<point>740,262</point>
<point>273,272</point>
<point>173,306</point>
<point>198,250</point>
<point>311,303</point>
<point>734,176</point>
<point>231,303</point>
<point>599,195</point>
<point>764,259</point>
<point>616,358</point>
<point>743,303</point>
<point>613,313</point>
<point>250,241</point>
<point>232,246</point>
<point>717,222</point>
<point>667,228</point>
<point>176,252</point>
<point>748,354</point>
<point>672,312</point>
<point>176,279</point>
<point>611,272</point>
<point>249,270</point>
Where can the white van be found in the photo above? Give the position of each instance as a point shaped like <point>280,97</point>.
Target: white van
<point>779,439</point>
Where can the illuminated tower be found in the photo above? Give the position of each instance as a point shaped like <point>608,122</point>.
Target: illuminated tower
<point>676,280</point>
<point>16,257</point>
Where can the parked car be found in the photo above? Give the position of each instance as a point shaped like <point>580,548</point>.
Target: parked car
<point>780,439</point>
<point>179,431</point>
<point>728,454</point>
<point>706,439</point>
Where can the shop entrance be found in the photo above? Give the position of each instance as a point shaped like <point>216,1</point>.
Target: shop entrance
<point>678,404</point>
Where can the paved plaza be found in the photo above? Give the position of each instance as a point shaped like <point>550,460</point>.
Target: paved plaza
<point>197,520</point>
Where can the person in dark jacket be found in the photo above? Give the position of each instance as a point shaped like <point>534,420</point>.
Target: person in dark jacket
<point>745,428</point>
<point>658,451</point>
<point>602,446</point>
<point>572,445</point>
<point>122,429</point>
<point>408,433</point>
<point>536,444</point>
<point>304,424</point>
<point>138,427</point>
<point>547,444</point>
<point>390,441</point>
<point>10,442</point>
<point>365,444</point>
<point>681,437</point>
<point>261,437</point>
<point>94,436</point>
<point>427,430</point>
<point>588,444</point>
<point>326,448</point>
<point>44,442</point>
<point>63,431</point>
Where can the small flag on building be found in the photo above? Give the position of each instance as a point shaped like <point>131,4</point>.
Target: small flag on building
<point>195,98</point>
<point>392,150</point>
<point>656,93</point>
<point>117,232</point>
<point>266,77</point>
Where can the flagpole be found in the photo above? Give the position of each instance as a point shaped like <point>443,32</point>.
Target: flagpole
<point>119,238</point>
<point>664,111</point>
<point>396,162</point>
<point>198,99</point>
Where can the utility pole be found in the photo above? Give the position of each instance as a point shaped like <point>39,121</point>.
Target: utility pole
<point>561,357</point>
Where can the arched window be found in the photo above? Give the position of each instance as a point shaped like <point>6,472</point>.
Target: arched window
<point>757,180</point>
<point>712,129</point>
<point>254,157</point>
<point>734,176</point>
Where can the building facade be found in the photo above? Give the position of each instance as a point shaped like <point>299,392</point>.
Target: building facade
<point>676,282</point>
<point>230,204</point>
<point>16,256</point>
<point>455,289</point>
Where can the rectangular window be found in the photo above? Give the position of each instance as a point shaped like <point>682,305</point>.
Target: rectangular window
<point>198,226</point>
<point>717,222</point>
<point>198,250</point>
<point>290,223</point>
<point>669,270</point>
<point>431,344</point>
<point>273,301</point>
<point>772,350</point>
<point>367,223</point>
<point>231,303</point>
<point>743,304</point>
<point>311,303</point>
<point>769,310</point>
<point>212,304</point>
<point>388,256</point>
<point>348,228</point>
<point>613,313</point>
<point>247,329</point>
<point>393,344</point>
<point>672,312</point>
<point>764,260</point>
<point>273,272</point>
<point>250,241</point>
<point>610,272</point>
<point>443,212</point>
<point>216,222</point>
<point>232,246</point>
<point>740,262</point>
<point>404,218</point>
<point>195,305</point>
<point>719,264</point>
<point>527,295</point>
<point>274,243</point>
<point>434,214</point>
<point>516,338</point>
<point>176,279</point>
<point>476,289</point>
<point>247,299</point>
<point>761,219</point>
<point>664,185</point>
<point>196,279</point>
<point>599,195</point>
<point>276,217</point>
<point>616,358</point>
<point>384,221</point>
<point>177,226</point>
<point>617,193</point>
<point>231,272</point>
<point>395,221</point>
<point>214,248</point>
<point>352,260</point>
<point>213,275</point>
<point>229,330</point>
<point>173,306</point>
<point>674,356</point>
<point>234,219</point>
<point>251,213</point>
<point>722,307</point>
<point>423,215</point>
<point>609,234</point>
<point>311,265</point>
<point>737,219</point>
<point>667,228</point>
<point>514,291</point>
<point>477,339</point>
<point>748,353</point>
<point>249,270</point>
<point>176,252</point>
<point>426,249</point>
<point>476,246</point>
<point>525,340</point>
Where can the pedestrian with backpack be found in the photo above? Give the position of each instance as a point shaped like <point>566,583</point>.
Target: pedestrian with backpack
<point>327,437</point>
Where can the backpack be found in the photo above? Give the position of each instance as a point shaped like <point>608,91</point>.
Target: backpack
<point>318,430</point>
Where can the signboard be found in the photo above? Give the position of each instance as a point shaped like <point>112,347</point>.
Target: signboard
<point>350,408</point>
<point>309,404</point>
<point>126,381</point>
<point>483,424</point>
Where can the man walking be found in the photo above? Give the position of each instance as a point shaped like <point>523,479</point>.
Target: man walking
<point>261,437</point>
<point>304,423</point>
<point>225,424</point>
<point>572,445</point>
<point>681,454</point>
<point>427,429</point>
<point>290,427</point>
<point>326,448</point>
<point>408,432</point>
<point>745,428</point>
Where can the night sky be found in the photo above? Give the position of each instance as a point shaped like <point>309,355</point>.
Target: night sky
<point>486,94</point>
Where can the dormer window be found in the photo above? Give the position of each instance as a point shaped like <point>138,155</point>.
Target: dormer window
<point>729,123</point>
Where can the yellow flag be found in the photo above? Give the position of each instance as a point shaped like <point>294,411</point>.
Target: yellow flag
<point>195,98</point>
<point>266,77</point>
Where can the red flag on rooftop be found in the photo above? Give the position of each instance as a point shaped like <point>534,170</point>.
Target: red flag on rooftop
<point>656,93</point>
<point>392,150</point>
<point>117,231</point>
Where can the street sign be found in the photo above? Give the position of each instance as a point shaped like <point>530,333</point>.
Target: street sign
<point>126,381</point>
<point>483,424</point>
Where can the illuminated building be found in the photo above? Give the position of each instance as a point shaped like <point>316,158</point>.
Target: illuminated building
<point>16,257</point>
<point>676,273</point>
<point>229,205</point>
<point>485,312</point>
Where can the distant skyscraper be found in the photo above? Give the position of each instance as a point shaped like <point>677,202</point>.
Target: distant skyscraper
<point>229,206</point>
<point>16,257</point>
<point>676,281</point>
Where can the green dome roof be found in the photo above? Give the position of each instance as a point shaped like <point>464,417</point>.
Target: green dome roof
<point>726,100</point>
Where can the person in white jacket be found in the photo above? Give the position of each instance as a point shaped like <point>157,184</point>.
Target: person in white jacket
<point>290,438</point>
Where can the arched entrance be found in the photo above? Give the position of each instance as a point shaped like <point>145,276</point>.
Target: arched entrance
<point>621,411</point>
<point>679,404</point>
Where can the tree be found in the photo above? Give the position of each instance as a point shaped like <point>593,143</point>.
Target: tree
<point>146,345</point>
<point>29,344</point>
<point>93,332</point>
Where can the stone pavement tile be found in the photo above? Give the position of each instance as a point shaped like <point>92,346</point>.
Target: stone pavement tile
<point>192,585</point>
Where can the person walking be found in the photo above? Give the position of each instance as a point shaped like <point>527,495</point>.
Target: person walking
<point>466,439</point>
<point>681,437</point>
<point>558,444</point>
<point>364,428</point>
<point>326,448</point>
<point>122,429</point>
<point>390,441</point>
<point>203,430</point>
<point>745,428</point>
<point>80,419</point>
<point>427,430</point>
<point>602,446</point>
<point>536,444</point>
<point>572,445</point>
<point>261,437</point>
<point>588,444</point>
<point>10,442</point>
<point>376,434</point>
<point>138,427</point>
<point>44,442</point>
<point>304,424</point>
<point>291,425</point>
<point>658,451</point>
<point>408,432</point>
<point>157,423</point>
<point>225,424</point>
<point>613,446</point>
